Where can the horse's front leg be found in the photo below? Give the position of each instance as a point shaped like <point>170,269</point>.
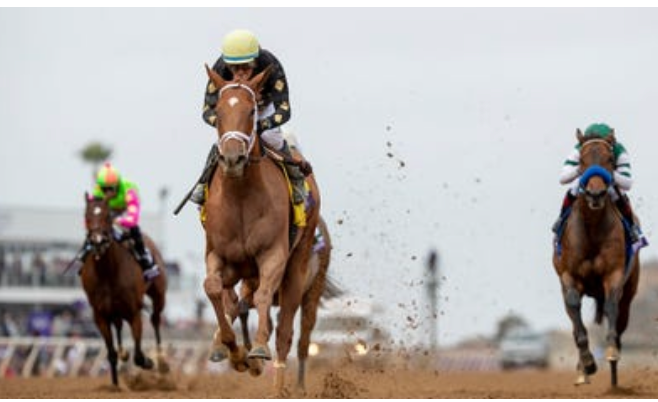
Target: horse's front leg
<point>611,309</point>
<point>230,299</point>
<point>573,302</point>
<point>140,359</point>
<point>271,267</point>
<point>112,356</point>
<point>224,339</point>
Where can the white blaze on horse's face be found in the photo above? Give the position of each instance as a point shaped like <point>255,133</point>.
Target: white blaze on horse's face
<point>97,210</point>
<point>233,101</point>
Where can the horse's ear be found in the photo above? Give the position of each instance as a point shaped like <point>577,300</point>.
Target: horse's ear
<point>214,77</point>
<point>87,196</point>
<point>611,138</point>
<point>580,136</point>
<point>259,80</point>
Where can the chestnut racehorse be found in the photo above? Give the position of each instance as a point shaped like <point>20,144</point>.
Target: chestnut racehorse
<point>113,281</point>
<point>595,260</point>
<point>247,223</point>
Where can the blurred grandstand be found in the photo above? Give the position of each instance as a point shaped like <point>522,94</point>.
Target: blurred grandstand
<point>38,296</point>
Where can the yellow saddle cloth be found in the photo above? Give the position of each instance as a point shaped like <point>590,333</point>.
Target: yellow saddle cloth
<point>298,210</point>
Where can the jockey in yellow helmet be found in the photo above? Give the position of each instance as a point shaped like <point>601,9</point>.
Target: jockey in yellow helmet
<point>242,58</point>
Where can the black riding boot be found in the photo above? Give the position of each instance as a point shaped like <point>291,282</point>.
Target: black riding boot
<point>564,212</point>
<point>296,176</point>
<point>199,194</point>
<point>624,206</point>
<point>144,257</point>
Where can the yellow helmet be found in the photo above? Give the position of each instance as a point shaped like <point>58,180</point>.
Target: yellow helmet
<point>240,46</point>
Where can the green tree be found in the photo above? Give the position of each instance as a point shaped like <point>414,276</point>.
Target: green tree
<point>95,153</point>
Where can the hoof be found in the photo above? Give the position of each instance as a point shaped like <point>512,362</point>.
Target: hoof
<point>590,368</point>
<point>239,360</point>
<point>612,354</point>
<point>145,363</point>
<point>219,353</point>
<point>260,352</point>
<point>582,379</point>
<point>587,364</point>
<point>124,355</point>
<point>217,356</point>
<point>163,366</point>
<point>256,367</point>
<point>240,367</point>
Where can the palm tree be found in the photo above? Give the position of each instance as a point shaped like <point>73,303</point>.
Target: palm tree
<point>95,153</point>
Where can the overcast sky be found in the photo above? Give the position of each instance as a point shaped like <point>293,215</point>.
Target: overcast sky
<point>427,128</point>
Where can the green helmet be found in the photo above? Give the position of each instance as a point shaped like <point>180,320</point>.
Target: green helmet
<point>108,176</point>
<point>240,46</point>
<point>601,130</point>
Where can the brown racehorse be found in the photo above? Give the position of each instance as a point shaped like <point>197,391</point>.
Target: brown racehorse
<point>248,219</point>
<point>112,279</point>
<point>593,260</point>
<point>318,286</point>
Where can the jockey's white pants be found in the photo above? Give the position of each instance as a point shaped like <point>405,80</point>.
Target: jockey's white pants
<point>274,136</point>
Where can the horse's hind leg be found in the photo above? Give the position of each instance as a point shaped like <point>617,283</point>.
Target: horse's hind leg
<point>290,294</point>
<point>586,364</point>
<point>156,316</point>
<point>243,313</point>
<point>123,353</point>
<point>617,309</point>
<point>309,309</point>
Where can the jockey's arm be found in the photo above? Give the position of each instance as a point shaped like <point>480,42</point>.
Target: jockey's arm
<point>571,167</point>
<point>210,101</point>
<point>130,217</point>
<point>622,174</point>
<point>277,86</point>
<point>212,96</point>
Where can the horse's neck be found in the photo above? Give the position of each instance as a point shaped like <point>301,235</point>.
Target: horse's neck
<point>110,262</point>
<point>594,221</point>
<point>237,189</point>
<point>237,206</point>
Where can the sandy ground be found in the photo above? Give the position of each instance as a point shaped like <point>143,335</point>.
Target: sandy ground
<point>344,381</point>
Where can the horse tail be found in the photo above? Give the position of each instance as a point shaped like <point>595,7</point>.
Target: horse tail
<point>331,289</point>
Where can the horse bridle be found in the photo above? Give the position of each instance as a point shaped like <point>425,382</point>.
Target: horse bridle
<point>595,170</point>
<point>99,237</point>
<point>248,139</point>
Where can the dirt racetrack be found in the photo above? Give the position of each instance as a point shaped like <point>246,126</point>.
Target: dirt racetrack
<point>347,382</point>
